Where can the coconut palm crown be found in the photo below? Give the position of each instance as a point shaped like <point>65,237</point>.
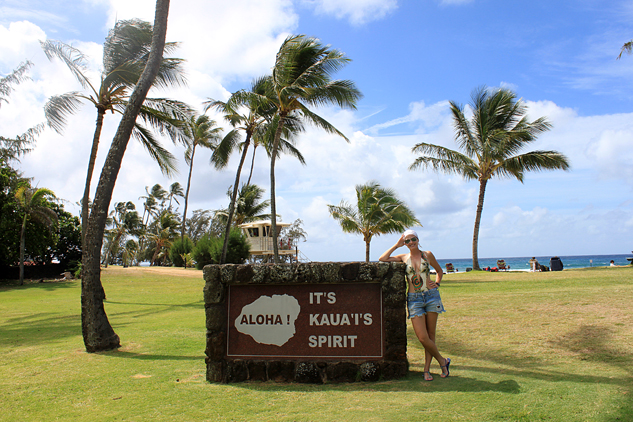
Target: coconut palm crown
<point>301,79</point>
<point>378,211</point>
<point>125,53</point>
<point>490,142</point>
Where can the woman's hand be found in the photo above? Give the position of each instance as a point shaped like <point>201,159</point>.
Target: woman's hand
<point>386,256</point>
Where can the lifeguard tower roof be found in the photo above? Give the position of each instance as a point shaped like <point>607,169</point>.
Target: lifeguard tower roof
<point>259,235</point>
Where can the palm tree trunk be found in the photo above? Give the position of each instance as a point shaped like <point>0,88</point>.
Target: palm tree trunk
<point>91,166</point>
<point>250,175</point>
<point>97,332</point>
<point>184,214</point>
<point>22,246</point>
<point>367,250</point>
<point>227,231</point>
<point>480,207</point>
<point>273,202</point>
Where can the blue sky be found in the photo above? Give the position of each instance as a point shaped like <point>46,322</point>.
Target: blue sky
<point>409,59</point>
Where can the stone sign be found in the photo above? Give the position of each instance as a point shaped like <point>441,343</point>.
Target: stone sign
<point>306,322</point>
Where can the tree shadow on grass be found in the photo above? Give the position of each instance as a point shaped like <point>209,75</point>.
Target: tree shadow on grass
<point>50,285</point>
<point>39,328</point>
<point>591,343</point>
<point>598,343</point>
<point>150,357</point>
<point>147,309</point>
<point>414,382</point>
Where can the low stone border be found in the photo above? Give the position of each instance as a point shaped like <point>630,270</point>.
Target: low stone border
<point>394,363</point>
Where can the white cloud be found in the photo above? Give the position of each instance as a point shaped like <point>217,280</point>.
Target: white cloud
<point>359,12</point>
<point>250,32</point>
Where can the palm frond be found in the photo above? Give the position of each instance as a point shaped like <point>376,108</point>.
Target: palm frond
<point>17,76</point>
<point>222,153</point>
<point>71,57</point>
<point>442,159</point>
<point>533,161</point>
<point>165,159</point>
<point>320,122</point>
<point>59,107</point>
<point>626,48</point>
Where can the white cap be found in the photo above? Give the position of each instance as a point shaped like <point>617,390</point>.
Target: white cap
<point>410,232</point>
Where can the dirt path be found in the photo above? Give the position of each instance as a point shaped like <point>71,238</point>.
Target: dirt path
<point>174,271</point>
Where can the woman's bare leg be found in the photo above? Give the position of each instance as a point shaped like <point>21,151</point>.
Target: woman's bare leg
<point>420,328</point>
<point>431,325</point>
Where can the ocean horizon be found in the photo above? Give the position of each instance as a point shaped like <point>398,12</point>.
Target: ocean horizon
<point>523,263</point>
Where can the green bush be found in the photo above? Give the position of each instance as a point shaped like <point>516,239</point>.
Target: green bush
<point>205,250</point>
<point>238,249</point>
<point>179,248</point>
<point>208,249</point>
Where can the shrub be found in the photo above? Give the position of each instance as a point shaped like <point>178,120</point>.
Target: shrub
<point>238,249</point>
<point>179,248</point>
<point>209,249</point>
<point>205,250</point>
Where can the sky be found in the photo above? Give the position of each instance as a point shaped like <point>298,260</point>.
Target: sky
<point>409,59</point>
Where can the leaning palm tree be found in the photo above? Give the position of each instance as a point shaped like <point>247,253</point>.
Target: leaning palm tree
<point>378,211</point>
<point>245,112</point>
<point>34,204</point>
<point>125,53</point>
<point>301,79</point>
<point>490,142</point>
<point>97,331</point>
<point>202,132</point>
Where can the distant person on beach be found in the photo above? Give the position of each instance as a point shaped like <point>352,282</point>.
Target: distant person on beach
<point>423,298</point>
<point>534,265</point>
<point>612,263</point>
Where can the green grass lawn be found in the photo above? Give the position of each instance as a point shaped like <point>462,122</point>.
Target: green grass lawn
<point>525,347</point>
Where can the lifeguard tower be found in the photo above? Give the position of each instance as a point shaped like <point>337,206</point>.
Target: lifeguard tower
<point>259,235</point>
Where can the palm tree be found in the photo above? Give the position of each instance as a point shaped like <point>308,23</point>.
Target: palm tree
<point>198,131</point>
<point>125,53</point>
<point>149,206</point>
<point>34,205</point>
<point>175,190</point>
<point>301,78</point>
<point>378,211</point>
<point>490,142</point>
<point>97,331</point>
<point>162,234</point>
<point>245,112</point>
<point>247,207</point>
<point>124,220</point>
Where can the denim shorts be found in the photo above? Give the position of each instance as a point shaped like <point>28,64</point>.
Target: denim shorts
<point>421,303</point>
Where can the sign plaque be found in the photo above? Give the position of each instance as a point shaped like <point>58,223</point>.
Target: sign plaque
<point>324,321</point>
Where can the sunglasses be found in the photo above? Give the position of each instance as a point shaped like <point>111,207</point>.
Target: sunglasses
<point>413,239</point>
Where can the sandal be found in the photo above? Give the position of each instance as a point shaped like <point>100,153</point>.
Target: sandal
<point>447,362</point>
<point>427,376</point>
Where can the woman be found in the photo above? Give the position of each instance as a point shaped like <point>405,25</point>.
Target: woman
<point>423,298</point>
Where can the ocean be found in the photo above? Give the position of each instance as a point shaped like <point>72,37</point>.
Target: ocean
<point>523,263</point>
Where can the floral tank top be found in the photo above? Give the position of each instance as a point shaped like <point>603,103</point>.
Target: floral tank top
<point>418,278</point>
